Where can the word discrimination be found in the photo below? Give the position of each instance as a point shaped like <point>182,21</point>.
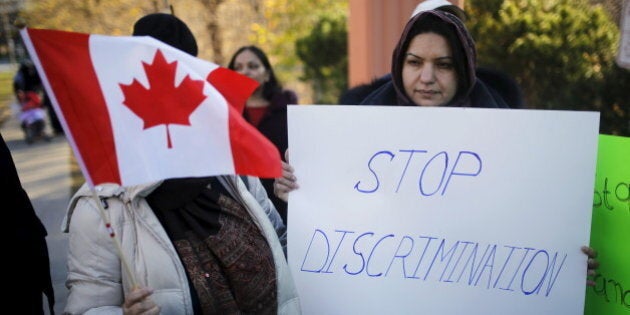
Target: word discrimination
<point>518,269</point>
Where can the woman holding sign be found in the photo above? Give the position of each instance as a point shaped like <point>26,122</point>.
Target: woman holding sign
<point>433,64</point>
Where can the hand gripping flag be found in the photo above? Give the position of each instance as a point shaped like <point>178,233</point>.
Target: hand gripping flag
<point>136,110</point>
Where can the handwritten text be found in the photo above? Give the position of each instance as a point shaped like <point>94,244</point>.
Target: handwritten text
<point>620,192</point>
<point>520,269</point>
<point>436,173</point>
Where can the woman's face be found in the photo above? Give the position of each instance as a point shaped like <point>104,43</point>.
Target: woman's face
<point>248,64</point>
<point>428,71</point>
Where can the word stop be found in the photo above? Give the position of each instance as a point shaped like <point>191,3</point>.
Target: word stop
<point>435,174</point>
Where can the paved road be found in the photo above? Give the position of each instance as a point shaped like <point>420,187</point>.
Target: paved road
<point>44,170</point>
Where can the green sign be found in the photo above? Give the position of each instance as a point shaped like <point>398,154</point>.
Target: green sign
<point>610,232</point>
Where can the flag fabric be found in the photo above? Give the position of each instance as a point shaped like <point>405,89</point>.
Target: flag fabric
<point>136,110</point>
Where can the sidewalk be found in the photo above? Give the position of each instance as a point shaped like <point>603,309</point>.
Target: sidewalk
<point>44,170</point>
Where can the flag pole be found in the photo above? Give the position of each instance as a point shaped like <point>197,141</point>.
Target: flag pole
<point>112,235</point>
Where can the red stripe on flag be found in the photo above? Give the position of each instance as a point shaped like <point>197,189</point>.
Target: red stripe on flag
<point>252,152</point>
<point>235,87</point>
<point>65,58</point>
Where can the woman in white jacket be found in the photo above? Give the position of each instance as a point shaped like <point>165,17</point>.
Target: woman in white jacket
<point>96,279</point>
<point>194,245</point>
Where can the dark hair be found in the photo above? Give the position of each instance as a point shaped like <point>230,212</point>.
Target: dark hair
<point>434,24</point>
<point>27,78</point>
<point>168,29</point>
<point>272,86</point>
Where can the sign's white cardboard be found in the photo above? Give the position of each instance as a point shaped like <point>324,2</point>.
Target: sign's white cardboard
<point>408,210</point>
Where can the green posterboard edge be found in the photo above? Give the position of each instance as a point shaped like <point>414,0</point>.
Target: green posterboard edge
<point>610,230</point>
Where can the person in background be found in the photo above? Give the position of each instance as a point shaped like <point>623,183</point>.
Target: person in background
<point>32,116</point>
<point>26,80</point>
<point>27,87</point>
<point>209,245</point>
<point>266,109</point>
<point>27,263</point>
<point>433,64</point>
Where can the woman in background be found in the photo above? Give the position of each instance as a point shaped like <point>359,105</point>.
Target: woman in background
<point>266,109</point>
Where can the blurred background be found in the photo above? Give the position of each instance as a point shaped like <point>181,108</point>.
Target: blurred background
<point>561,52</point>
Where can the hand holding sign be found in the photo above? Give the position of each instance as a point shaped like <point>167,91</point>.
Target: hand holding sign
<point>282,186</point>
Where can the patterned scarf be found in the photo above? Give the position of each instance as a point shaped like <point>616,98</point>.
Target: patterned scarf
<point>228,261</point>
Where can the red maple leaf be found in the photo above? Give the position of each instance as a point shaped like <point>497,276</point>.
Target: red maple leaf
<point>163,103</point>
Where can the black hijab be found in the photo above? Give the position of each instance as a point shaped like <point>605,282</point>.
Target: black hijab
<point>471,92</point>
<point>462,46</point>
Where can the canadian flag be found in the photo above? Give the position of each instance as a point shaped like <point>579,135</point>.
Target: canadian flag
<point>136,110</point>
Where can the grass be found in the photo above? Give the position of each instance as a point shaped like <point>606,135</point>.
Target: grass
<point>6,94</point>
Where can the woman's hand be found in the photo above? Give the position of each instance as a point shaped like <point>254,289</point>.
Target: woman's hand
<point>282,186</point>
<point>138,302</point>
<point>592,264</point>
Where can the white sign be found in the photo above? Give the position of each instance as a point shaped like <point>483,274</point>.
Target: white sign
<point>408,210</point>
<point>623,58</point>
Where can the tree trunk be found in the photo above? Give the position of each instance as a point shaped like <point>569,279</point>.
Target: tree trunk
<point>216,40</point>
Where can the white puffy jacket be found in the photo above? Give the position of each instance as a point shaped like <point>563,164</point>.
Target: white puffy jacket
<point>96,280</point>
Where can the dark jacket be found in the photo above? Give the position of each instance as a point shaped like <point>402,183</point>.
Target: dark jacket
<point>499,83</point>
<point>472,92</point>
<point>507,88</point>
<point>27,263</point>
<point>356,94</point>
<point>273,125</point>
